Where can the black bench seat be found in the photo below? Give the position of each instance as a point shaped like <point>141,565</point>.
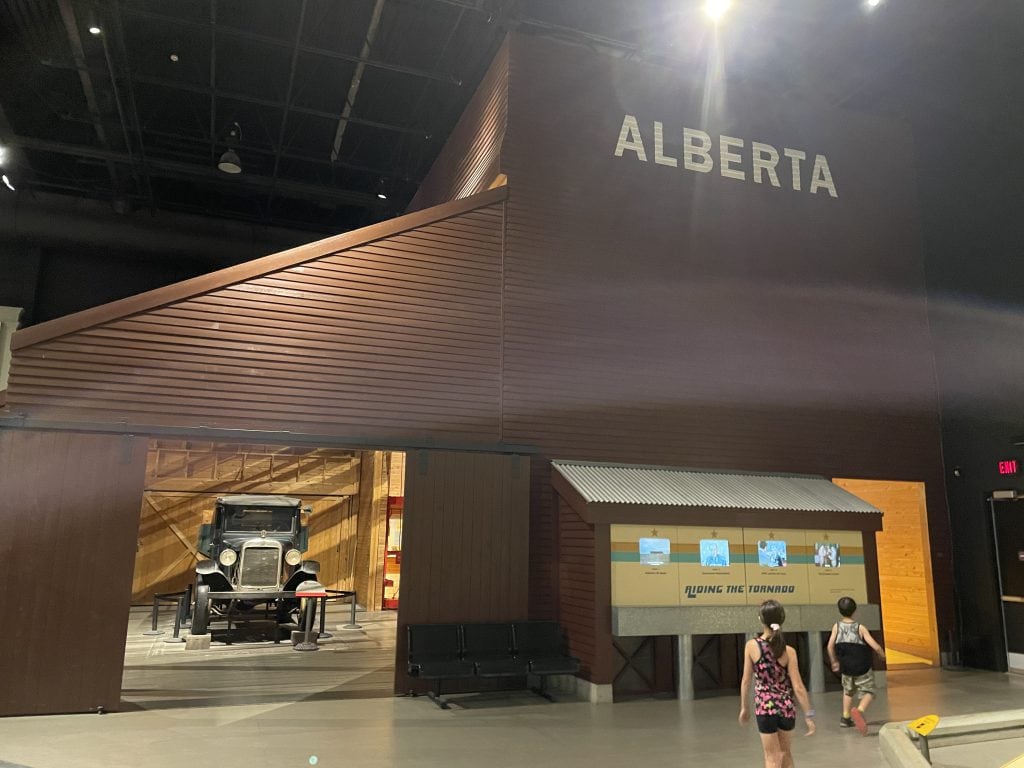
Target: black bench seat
<point>492,649</point>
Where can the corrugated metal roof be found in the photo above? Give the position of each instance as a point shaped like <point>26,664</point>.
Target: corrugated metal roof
<point>635,484</point>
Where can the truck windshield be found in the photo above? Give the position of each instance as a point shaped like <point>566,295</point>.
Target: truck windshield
<point>276,519</point>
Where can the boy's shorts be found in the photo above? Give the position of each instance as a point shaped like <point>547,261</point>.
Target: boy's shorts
<point>864,683</point>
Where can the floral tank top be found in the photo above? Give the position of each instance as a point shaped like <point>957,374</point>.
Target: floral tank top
<point>773,690</point>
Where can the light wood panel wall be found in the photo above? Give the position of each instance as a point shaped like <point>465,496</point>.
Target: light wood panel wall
<point>184,478</point>
<point>904,565</point>
<point>372,529</point>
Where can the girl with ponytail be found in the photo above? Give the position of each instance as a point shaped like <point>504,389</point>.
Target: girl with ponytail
<point>774,668</point>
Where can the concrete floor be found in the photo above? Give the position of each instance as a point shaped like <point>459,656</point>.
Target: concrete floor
<point>265,705</point>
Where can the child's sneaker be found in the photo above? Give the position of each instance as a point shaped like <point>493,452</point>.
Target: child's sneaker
<point>845,722</point>
<point>858,720</point>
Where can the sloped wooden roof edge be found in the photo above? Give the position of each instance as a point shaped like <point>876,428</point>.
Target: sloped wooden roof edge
<point>274,262</point>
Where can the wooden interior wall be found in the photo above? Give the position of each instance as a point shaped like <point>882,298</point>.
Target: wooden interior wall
<point>780,360</point>
<point>70,516</point>
<point>465,543</point>
<point>577,603</point>
<point>372,529</point>
<point>184,478</point>
<point>904,565</point>
<point>469,162</point>
<point>395,337</point>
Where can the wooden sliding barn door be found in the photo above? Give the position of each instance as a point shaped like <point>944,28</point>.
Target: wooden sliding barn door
<point>465,541</point>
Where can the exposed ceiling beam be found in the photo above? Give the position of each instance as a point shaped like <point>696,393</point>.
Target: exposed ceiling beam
<point>245,99</point>
<point>177,169</point>
<point>213,80</point>
<point>287,100</point>
<point>67,15</point>
<point>357,77</point>
<point>248,148</point>
<point>312,49</point>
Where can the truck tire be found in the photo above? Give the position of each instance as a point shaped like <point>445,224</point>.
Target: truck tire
<point>201,614</point>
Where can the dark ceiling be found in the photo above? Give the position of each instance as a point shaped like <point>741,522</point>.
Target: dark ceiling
<point>339,100</point>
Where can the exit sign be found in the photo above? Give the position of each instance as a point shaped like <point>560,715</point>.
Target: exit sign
<point>1009,467</point>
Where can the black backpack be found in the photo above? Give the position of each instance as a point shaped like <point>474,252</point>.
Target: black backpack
<point>854,658</point>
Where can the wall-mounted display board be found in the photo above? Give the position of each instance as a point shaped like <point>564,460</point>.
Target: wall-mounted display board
<point>689,565</point>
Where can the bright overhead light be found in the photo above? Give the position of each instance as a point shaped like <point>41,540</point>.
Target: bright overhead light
<point>874,3</point>
<point>3,155</point>
<point>94,30</point>
<point>715,9</point>
<point>7,183</point>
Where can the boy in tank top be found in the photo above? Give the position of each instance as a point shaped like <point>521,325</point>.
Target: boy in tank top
<point>849,649</point>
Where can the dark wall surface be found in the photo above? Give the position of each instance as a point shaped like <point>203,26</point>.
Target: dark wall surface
<point>661,315</point>
<point>71,520</point>
<point>971,195</point>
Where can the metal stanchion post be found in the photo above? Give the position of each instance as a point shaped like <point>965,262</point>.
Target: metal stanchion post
<point>308,606</point>
<point>178,613</point>
<point>323,618</point>
<point>188,605</point>
<point>153,630</point>
<point>352,620</point>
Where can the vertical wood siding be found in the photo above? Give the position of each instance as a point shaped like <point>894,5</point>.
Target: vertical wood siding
<point>395,338</point>
<point>904,570</point>
<point>70,517</point>
<point>471,158</point>
<point>465,553</point>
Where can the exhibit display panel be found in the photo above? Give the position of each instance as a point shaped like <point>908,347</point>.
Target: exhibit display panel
<point>689,565</point>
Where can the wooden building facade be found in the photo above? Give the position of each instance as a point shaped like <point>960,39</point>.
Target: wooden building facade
<point>609,262</point>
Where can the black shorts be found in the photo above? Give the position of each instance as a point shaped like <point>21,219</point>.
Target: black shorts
<point>775,723</point>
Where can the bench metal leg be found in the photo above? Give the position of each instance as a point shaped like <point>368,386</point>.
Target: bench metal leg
<point>540,691</point>
<point>435,696</point>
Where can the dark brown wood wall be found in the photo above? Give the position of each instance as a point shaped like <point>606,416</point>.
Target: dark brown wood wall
<point>70,518</point>
<point>577,578</point>
<point>657,315</point>
<point>396,338</point>
<point>465,542</point>
<point>470,161</point>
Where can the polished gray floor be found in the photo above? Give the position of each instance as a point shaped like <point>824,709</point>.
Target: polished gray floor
<point>265,705</point>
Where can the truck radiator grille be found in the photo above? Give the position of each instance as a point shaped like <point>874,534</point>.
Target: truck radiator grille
<point>260,567</point>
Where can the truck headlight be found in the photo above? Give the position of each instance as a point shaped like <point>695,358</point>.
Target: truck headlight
<point>293,557</point>
<point>228,557</point>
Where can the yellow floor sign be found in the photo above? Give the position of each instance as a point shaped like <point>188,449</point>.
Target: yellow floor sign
<point>924,725</point>
<point>1017,762</point>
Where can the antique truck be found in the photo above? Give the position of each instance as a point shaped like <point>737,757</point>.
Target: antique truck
<point>255,545</point>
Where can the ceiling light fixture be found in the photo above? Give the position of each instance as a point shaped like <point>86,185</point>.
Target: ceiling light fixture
<point>230,162</point>
<point>7,183</point>
<point>873,3</point>
<point>715,9</point>
<point>94,30</point>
